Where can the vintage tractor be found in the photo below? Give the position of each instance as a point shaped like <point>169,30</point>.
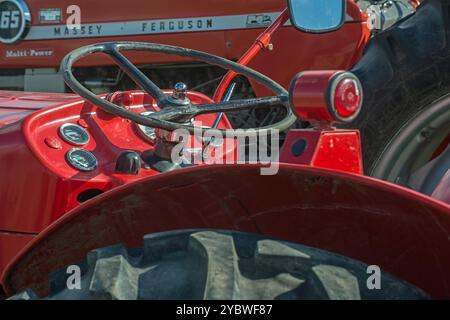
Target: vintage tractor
<point>78,175</point>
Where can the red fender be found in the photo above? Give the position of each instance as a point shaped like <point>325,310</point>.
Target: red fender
<point>403,232</point>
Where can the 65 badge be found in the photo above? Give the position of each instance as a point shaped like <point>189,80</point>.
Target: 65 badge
<point>15,20</point>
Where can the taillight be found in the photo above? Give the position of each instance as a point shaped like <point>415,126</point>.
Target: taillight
<point>326,96</point>
<point>347,96</point>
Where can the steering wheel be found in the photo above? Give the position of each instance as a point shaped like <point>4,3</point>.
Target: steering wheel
<point>174,114</point>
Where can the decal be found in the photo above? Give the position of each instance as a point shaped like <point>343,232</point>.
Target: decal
<point>180,25</point>
<point>29,53</point>
<point>84,30</point>
<point>50,15</point>
<point>156,26</point>
<point>15,20</point>
<point>144,27</point>
<point>262,20</point>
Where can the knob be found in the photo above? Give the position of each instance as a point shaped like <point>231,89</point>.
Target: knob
<point>129,162</point>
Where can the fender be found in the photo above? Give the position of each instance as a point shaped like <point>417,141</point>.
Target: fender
<point>403,232</point>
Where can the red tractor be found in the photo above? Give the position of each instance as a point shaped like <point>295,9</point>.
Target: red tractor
<point>83,171</point>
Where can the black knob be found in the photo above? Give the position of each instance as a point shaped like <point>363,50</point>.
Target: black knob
<point>128,163</point>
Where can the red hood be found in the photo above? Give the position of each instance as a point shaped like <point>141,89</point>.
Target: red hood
<point>15,105</point>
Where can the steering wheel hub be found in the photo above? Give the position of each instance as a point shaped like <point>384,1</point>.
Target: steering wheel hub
<point>179,95</point>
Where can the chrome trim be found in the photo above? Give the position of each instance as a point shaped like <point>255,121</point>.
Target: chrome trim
<point>179,95</point>
<point>140,129</point>
<point>178,102</point>
<point>179,91</point>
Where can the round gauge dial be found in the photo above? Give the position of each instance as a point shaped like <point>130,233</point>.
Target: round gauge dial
<point>82,160</point>
<point>147,133</point>
<point>74,134</point>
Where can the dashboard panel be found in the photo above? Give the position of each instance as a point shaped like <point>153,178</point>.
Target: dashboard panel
<point>58,134</point>
<point>67,154</point>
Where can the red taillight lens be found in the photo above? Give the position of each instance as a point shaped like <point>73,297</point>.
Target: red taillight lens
<point>347,98</point>
<point>326,96</point>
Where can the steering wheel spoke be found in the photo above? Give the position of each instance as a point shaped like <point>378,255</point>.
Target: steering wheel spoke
<point>186,113</point>
<point>179,114</point>
<point>236,105</point>
<point>134,73</point>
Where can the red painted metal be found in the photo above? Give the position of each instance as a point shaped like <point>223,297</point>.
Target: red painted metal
<point>415,3</point>
<point>53,142</point>
<point>33,145</point>
<point>316,96</point>
<point>403,232</point>
<point>38,185</point>
<point>444,145</point>
<point>338,150</point>
<point>324,146</point>
<point>262,43</point>
<point>308,95</point>
<point>293,50</point>
<point>15,105</point>
<point>257,56</point>
<point>338,50</point>
<point>11,244</point>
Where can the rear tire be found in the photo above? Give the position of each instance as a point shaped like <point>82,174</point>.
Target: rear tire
<point>206,264</point>
<point>414,145</point>
<point>405,74</point>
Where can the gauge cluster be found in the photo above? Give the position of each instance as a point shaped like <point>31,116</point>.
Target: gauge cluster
<point>78,158</point>
<point>78,139</point>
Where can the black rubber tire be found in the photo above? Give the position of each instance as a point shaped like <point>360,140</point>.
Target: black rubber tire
<point>384,132</point>
<point>207,264</point>
<point>420,134</point>
<point>404,71</point>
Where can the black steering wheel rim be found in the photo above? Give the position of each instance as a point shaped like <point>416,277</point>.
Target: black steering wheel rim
<point>160,119</point>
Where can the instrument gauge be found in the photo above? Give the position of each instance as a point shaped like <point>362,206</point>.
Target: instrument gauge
<point>81,159</point>
<point>74,134</point>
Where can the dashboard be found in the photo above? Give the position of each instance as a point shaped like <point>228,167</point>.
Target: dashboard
<point>79,140</point>
<point>67,154</point>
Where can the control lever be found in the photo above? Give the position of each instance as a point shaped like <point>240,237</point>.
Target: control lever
<point>220,115</point>
<point>128,163</point>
